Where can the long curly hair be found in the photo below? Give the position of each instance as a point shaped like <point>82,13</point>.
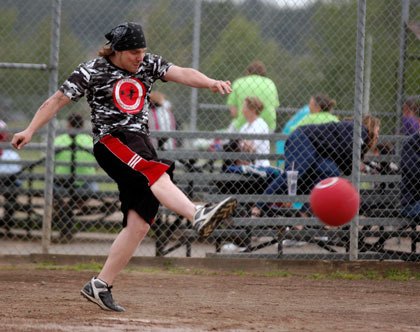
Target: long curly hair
<point>325,103</point>
<point>106,51</point>
<point>372,124</point>
<point>255,104</point>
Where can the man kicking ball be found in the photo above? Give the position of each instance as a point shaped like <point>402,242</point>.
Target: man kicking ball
<point>117,85</point>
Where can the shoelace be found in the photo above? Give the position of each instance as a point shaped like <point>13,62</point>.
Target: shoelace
<point>106,285</point>
<point>198,207</point>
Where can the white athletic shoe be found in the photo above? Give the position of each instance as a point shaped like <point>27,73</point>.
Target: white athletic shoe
<point>209,216</point>
<point>98,291</point>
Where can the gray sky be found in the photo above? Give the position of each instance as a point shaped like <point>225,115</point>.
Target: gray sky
<point>282,3</point>
<point>290,3</point>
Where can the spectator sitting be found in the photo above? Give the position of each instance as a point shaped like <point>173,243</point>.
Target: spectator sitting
<point>75,146</point>
<point>73,150</point>
<point>321,151</point>
<point>7,154</point>
<point>161,118</point>
<point>255,84</point>
<point>255,125</point>
<point>8,179</point>
<point>318,111</point>
<point>410,177</point>
<point>320,107</point>
<point>410,120</point>
<point>287,130</point>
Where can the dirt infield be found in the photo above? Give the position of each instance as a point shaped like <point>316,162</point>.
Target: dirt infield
<point>39,299</point>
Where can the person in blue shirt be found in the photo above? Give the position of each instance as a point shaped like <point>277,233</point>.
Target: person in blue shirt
<point>287,130</point>
<point>410,177</point>
<point>317,111</point>
<point>321,151</point>
<point>410,122</point>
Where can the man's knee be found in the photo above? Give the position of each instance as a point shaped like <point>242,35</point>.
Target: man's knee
<point>136,224</point>
<point>163,179</point>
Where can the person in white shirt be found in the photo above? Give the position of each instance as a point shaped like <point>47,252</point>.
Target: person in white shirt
<point>254,125</point>
<point>8,180</point>
<point>7,154</point>
<point>161,118</point>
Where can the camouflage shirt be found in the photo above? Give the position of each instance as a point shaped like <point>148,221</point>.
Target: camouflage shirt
<point>119,100</point>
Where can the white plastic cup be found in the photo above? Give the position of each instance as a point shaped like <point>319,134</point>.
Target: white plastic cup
<point>292,177</point>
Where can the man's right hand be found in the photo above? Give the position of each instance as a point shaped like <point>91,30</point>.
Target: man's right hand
<point>45,113</point>
<point>20,139</point>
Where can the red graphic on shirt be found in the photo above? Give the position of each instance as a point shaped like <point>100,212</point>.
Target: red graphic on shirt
<point>129,94</point>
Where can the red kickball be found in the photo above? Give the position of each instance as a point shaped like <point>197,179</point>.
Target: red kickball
<point>335,201</point>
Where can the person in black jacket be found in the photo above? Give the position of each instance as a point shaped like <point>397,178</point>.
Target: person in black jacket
<point>321,151</point>
<point>410,177</point>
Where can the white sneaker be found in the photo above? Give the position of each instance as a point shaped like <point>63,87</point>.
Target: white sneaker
<point>229,247</point>
<point>98,291</point>
<point>293,243</point>
<point>209,216</point>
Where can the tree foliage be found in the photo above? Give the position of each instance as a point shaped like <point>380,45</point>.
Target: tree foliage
<point>306,49</point>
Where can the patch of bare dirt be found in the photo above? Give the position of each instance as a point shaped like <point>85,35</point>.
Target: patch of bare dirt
<point>47,300</point>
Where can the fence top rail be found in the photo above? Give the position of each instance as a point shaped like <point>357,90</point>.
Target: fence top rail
<point>197,177</point>
<point>292,110</point>
<point>291,221</point>
<point>18,65</point>
<point>207,135</point>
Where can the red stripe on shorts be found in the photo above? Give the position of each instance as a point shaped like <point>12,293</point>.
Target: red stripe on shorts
<point>151,169</point>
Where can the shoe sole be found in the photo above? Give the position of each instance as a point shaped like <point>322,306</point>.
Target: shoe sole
<point>224,211</point>
<point>93,300</point>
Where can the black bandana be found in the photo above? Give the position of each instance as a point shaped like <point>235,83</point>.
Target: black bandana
<point>126,36</point>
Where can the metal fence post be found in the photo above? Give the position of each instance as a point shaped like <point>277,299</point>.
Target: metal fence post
<point>405,8</point>
<point>358,112</point>
<point>368,75</point>
<point>49,162</point>
<point>195,62</point>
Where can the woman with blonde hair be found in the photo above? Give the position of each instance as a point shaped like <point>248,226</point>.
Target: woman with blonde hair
<point>252,109</point>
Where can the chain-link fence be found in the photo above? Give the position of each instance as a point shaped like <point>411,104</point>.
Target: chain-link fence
<point>311,79</point>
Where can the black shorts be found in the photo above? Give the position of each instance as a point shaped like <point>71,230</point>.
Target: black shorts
<point>131,161</point>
